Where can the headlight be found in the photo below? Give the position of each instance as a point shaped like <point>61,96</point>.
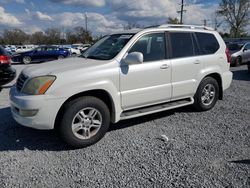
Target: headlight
<point>38,85</point>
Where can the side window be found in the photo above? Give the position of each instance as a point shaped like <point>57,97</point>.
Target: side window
<point>247,47</point>
<point>50,48</point>
<point>152,46</point>
<point>208,43</point>
<point>182,45</point>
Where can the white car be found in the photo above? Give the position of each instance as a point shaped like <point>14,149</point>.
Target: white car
<point>240,53</point>
<point>75,51</point>
<point>81,47</point>
<point>20,49</point>
<point>72,51</point>
<point>122,76</point>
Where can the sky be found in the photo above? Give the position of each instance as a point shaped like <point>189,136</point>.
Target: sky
<point>104,16</point>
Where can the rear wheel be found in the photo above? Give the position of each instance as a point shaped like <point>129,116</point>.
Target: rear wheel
<point>26,60</point>
<point>85,122</point>
<point>60,57</point>
<point>238,62</point>
<point>207,94</point>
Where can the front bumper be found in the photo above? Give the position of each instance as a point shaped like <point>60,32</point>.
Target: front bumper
<point>7,74</point>
<point>45,107</point>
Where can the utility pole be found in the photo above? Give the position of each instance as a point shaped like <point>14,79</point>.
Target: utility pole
<point>182,11</point>
<point>86,21</point>
<point>205,22</point>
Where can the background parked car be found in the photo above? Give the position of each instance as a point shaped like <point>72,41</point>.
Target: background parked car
<point>248,66</point>
<point>240,53</point>
<point>43,53</point>
<point>25,48</point>
<point>7,73</point>
<point>81,47</point>
<point>72,50</point>
<point>10,49</point>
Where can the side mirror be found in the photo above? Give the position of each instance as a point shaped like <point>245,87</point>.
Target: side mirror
<point>134,58</point>
<point>245,49</point>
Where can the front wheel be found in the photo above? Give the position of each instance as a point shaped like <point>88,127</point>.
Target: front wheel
<point>207,94</point>
<point>85,122</point>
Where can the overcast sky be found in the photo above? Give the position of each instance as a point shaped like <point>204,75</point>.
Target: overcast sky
<point>104,16</point>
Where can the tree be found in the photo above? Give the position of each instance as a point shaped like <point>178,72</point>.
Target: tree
<point>132,25</point>
<point>38,38</point>
<point>79,35</point>
<point>173,20</point>
<point>236,14</point>
<point>53,36</point>
<point>15,36</point>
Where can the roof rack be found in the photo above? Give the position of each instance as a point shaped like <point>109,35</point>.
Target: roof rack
<point>186,26</point>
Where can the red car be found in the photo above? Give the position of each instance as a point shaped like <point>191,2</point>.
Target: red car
<point>7,73</point>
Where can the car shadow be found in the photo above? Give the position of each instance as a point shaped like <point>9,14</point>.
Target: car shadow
<point>14,137</point>
<point>143,119</point>
<point>241,75</point>
<point>247,162</point>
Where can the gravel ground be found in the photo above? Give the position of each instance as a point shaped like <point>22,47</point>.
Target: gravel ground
<point>210,149</point>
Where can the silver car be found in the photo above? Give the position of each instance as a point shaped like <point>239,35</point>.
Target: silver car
<point>240,53</point>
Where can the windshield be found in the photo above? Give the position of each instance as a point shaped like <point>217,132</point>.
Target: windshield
<point>108,47</point>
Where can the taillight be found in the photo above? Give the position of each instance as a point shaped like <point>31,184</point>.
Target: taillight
<point>4,59</point>
<point>228,55</point>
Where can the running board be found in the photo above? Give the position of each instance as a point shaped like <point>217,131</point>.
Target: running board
<point>156,108</point>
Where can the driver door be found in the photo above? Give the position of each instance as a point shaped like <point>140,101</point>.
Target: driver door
<point>148,83</point>
<point>246,54</point>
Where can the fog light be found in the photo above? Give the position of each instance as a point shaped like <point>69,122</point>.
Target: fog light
<point>27,113</point>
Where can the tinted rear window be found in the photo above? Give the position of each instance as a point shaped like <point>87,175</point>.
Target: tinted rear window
<point>208,43</point>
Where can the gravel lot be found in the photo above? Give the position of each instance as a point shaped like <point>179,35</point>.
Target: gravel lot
<point>210,149</point>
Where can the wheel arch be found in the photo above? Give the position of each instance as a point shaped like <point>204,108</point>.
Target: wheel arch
<point>98,93</point>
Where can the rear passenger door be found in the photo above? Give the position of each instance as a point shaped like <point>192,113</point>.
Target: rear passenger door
<point>185,64</point>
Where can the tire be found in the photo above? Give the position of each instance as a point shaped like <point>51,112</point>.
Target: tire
<point>207,94</point>
<point>78,115</point>
<point>60,57</point>
<point>26,60</point>
<point>238,61</point>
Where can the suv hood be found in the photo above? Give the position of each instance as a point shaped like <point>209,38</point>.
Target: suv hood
<point>59,66</point>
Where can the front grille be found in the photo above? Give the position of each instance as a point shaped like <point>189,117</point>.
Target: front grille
<point>20,81</point>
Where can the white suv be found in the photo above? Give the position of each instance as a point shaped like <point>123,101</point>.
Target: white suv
<point>122,76</point>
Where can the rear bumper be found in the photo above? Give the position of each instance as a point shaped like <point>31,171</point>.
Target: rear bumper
<point>227,78</point>
<point>7,74</point>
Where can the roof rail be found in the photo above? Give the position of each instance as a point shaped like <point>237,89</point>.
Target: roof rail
<point>186,26</point>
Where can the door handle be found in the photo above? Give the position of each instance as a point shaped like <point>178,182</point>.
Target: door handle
<point>165,66</point>
<point>197,62</point>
